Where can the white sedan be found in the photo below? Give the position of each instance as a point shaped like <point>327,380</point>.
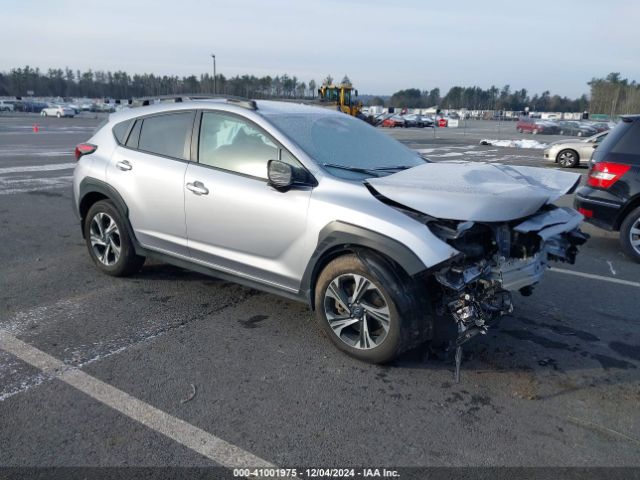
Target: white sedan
<point>569,153</point>
<point>57,111</point>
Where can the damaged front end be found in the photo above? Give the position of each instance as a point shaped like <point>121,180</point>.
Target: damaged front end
<point>501,221</point>
<point>497,259</point>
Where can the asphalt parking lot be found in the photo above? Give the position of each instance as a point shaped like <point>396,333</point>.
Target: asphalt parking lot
<point>557,384</point>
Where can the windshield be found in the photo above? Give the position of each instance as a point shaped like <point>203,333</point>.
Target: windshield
<point>344,141</point>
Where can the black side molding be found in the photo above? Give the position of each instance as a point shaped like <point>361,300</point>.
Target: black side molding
<point>93,185</point>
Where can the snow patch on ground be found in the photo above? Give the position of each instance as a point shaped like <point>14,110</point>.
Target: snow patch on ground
<point>448,154</point>
<point>514,143</point>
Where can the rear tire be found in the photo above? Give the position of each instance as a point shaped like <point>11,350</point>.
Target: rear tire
<point>376,322</point>
<point>108,241</point>
<point>630,235</point>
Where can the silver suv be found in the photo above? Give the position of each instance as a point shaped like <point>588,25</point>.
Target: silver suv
<point>318,206</point>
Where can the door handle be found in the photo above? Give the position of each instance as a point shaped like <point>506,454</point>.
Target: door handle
<point>198,188</point>
<point>124,165</point>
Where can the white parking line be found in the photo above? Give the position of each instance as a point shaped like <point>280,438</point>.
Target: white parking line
<point>38,168</point>
<point>619,281</point>
<point>192,437</point>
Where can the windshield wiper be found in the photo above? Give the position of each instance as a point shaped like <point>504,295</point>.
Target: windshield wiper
<point>397,167</point>
<point>368,171</point>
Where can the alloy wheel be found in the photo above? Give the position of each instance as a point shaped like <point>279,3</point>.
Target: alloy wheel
<point>634,236</point>
<point>105,239</point>
<point>566,159</point>
<point>357,311</point>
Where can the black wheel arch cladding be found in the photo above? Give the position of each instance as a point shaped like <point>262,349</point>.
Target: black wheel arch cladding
<point>348,237</point>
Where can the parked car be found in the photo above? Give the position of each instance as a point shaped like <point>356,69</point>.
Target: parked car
<point>611,198</point>
<point>29,106</point>
<point>442,121</point>
<point>600,126</point>
<point>415,120</point>
<point>380,117</point>
<point>57,111</point>
<point>569,153</point>
<point>394,121</point>
<point>535,126</point>
<point>75,107</point>
<point>103,107</point>
<point>321,207</point>
<point>7,105</point>
<point>427,121</point>
<point>569,127</point>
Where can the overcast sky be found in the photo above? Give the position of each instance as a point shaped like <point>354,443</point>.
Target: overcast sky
<point>383,46</point>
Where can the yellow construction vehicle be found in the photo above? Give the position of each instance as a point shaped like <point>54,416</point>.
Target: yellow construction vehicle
<point>342,96</point>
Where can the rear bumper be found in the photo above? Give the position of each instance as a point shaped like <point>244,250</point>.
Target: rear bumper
<point>604,207</point>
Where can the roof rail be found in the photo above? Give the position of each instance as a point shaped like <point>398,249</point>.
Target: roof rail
<point>177,98</point>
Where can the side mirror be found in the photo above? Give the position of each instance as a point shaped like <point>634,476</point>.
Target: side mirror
<point>280,175</point>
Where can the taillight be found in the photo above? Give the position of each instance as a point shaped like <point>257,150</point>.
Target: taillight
<point>84,149</point>
<point>605,174</point>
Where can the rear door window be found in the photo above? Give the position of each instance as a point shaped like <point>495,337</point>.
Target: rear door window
<point>168,135</point>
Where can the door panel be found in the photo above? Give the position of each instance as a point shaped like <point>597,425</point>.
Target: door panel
<point>153,188</point>
<point>244,226</point>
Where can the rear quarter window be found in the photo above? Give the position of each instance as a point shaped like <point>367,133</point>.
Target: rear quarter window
<point>120,130</point>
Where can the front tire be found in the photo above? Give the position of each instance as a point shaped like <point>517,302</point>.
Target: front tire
<point>43,114</point>
<point>630,235</point>
<point>108,241</point>
<point>369,313</point>
<point>568,159</point>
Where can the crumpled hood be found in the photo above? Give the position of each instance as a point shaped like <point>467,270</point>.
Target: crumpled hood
<point>475,191</point>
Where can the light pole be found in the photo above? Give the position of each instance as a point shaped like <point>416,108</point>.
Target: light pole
<point>214,73</point>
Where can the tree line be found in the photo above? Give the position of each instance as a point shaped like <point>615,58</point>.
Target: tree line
<point>612,94</point>
<point>119,84</point>
<point>494,98</point>
<point>615,95</point>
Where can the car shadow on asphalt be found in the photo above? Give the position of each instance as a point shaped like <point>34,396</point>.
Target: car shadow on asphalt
<point>525,343</point>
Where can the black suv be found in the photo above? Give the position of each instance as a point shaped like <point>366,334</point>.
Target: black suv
<point>611,198</point>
